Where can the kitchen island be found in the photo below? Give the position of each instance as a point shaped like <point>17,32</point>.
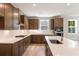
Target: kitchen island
<point>15,42</point>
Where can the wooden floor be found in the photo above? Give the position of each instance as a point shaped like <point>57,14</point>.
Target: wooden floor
<point>35,50</point>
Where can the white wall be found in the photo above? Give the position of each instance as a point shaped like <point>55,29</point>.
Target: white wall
<point>72,36</point>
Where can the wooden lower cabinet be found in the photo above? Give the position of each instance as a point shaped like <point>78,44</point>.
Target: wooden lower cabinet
<point>48,51</point>
<point>16,49</point>
<point>5,49</point>
<point>27,42</point>
<point>21,47</point>
<point>38,39</point>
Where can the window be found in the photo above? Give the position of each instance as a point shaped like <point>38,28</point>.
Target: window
<point>44,24</point>
<point>72,26</point>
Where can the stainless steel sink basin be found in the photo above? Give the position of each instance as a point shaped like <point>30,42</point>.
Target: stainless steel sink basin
<point>55,42</point>
<point>20,35</point>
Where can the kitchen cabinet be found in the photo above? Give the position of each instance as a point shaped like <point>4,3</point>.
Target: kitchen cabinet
<point>11,18</point>
<point>58,26</point>
<point>1,16</point>
<point>15,49</point>
<point>48,51</point>
<point>18,48</point>
<point>8,16</point>
<point>15,18</point>
<point>52,24</point>
<point>26,25</point>
<point>23,22</point>
<point>27,42</point>
<point>2,9</point>
<point>2,22</point>
<point>58,22</point>
<point>33,23</point>
<point>5,49</point>
<point>38,39</point>
<point>21,47</point>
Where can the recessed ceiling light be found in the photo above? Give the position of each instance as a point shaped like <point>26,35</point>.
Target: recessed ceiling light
<point>68,4</point>
<point>34,4</point>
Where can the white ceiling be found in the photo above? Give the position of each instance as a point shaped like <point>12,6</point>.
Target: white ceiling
<point>49,9</point>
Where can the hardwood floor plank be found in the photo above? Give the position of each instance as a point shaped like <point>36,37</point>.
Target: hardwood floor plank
<point>35,50</point>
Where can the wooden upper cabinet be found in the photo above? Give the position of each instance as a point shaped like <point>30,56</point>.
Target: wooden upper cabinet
<point>22,18</point>
<point>33,24</point>
<point>26,25</point>
<point>1,16</point>
<point>22,21</point>
<point>1,9</point>
<point>15,18</point>
<point>52,24</point>
<point>58,22</point>
<point>8,16</point>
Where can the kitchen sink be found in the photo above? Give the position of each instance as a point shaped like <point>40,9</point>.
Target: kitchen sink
<point>55,42</point>
<point>20,35</point>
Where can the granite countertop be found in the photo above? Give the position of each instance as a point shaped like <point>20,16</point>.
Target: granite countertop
<point>8,36</point>
<point>68,48</point>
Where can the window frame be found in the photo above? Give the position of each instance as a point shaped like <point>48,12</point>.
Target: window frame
<point>40,24</point>
<point>74,26</point>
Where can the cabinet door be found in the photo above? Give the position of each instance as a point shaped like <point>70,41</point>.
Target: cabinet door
<point>21,48</point>
<point>26,42</point>
<point>42,39</point>
<point>52,24</point>
<point>39,39</point>
<point>8,16</point>
<point>58,22</point>
<point>2,16</point>
<point>15,18</point>
<point>2,23</point>
<point>48,51</point>
<point>26,25</point>
<point>15,50</point>
<point>33,24</point>
<point>30,24</point>
<point>5,50</point>
<point>1,9</point>
<point>36,24</point>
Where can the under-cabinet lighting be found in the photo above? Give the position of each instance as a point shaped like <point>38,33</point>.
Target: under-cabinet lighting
<point>15,14</point>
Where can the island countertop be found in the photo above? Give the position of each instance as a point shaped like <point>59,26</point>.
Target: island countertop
<point>9,36</point>
<point>68,48</point>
